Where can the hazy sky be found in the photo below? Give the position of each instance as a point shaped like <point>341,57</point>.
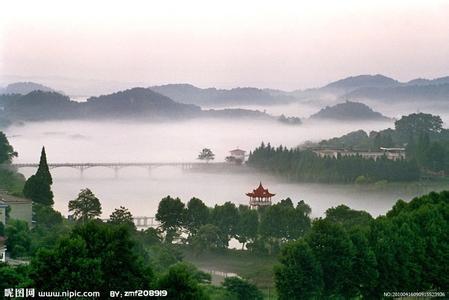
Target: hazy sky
<point>279,44</point>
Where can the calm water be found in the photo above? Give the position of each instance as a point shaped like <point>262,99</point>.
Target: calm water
<point>141,190</point>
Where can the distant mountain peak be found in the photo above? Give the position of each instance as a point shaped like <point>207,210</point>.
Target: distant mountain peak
<point>359,81</point>
<point>349,111</point>
<point>24,88</point>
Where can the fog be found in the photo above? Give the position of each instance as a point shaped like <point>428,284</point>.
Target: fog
<point>141,190</point>
<point>278,44</point>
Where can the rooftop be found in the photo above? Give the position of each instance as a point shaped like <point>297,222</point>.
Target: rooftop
<point>10,199</point>
<point>260,192</point>
<point>237,151</point>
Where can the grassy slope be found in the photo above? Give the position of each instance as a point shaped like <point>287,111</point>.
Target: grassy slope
<point>256,268</point>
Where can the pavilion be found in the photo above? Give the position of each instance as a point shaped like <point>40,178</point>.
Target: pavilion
<point>259,197</point>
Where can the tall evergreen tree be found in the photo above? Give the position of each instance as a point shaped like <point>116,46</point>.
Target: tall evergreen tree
<point>43,170</point>
<point>37,187</point>
<point>38,190</point>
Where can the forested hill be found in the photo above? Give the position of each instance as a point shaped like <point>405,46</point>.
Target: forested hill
<point>24,88</point>
<point>187,93</point>
<point>361,81</point>
<point>135,104</point>
<point>306,166</point>
<point>349,111</point>
<point>422,135</point>
<point>425,141</point>
<point>408,93</point>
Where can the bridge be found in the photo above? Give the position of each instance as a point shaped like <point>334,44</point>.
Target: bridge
<point>145,222</point>
<point>116,166</point>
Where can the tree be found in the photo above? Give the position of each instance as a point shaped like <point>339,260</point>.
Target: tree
<point>364,273</point>
<point>181,284</point>
<point>46,217</point>
<point>206,154</point>
<point>207,237</point>
<point>170,214</point>
<point>7,152</point>
<point>86,206</point>
<point>271,226</point>
<point>38,186</point>
<point>348,217</point>
<point>226,218</point>
<point>196,215</point>
<point>242,289</point>
<point>38,190</point>
<point>234,160</point>
<point>151,236</point>
<point>18,238</point>
<point>299,274</point>
<point>13,276</point>
<point>96,256</point>
<point>122,216</point>
<point>43,172</point>
<point>411,126</point>
<point>333,248</point>
<point>248,225</point>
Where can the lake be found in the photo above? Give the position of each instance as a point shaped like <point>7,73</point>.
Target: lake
<point>140,190</point>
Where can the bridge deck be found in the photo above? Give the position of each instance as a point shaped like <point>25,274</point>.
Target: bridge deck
<point>116,164</point>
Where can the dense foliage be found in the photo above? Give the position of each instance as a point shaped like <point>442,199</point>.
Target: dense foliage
<point>122,216</point>
<point>9,179</point>
<point>6,150</point>
<point>94,257</point>
<point>422,135</point>
<point>347,254</point>
<point>86,206</point>
<point>304,165</point>
<point>262,230</point>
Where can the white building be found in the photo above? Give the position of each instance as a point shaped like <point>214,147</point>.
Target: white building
<point>3,207</point>
<point>389,153</point>
<point>237,156</point>
<point>2,249</point>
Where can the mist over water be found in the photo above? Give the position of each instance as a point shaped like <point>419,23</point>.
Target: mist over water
<point>140,189</point>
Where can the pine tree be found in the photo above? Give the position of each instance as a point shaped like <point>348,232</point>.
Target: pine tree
<point>43,172</point>
<point>37,187</point>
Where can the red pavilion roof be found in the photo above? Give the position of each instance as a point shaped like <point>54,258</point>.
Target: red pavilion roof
<point>260,192</point>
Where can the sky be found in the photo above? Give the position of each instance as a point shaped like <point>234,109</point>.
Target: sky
<point>277,44</point>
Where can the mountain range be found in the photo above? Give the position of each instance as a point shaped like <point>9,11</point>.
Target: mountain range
<point>355,88</point>
<point>187,93</point>
<point>133,104</point>
<point>34,101</point>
